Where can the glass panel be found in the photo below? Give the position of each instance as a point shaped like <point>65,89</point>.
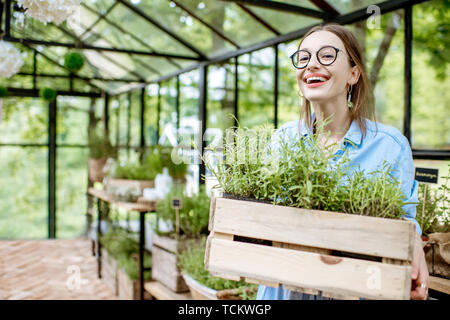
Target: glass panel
<point>100,6</point>
<point>220,104</point>
<point>284,22</point>
<point>114,125</point>
<point>168,115</point>
<point>25,82</point>
<point>24,120</point>
<point>346,6</point>
<point>84,19</point>
<point>72,120</point>
<point>23,195</point>
<point>53,83</point>
<point>187,27</point>
<point>256,95</point>
<point>441,165</point>
<point>151,114</point>
<point>301,3</point>
<point>34,29</point>
<point>135,122</point>
<point>231,19</point>
<point>71,190</point>
<point>388,81</point>
<point>156,38</point>
<point>430,121</point>
<point>288,98</point>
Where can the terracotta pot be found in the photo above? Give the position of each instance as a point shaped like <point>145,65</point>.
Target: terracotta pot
<point>96,166</point>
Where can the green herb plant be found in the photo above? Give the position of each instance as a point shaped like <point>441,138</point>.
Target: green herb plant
<point>191,261</point>
<point>437,204</point>
<point>261,164</point>
<point>193,215</point>
<point>147,169</point>
<point>100,146</point>
<point>124,248</point>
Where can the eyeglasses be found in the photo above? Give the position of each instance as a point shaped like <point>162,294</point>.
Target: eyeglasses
<point>325,55</point>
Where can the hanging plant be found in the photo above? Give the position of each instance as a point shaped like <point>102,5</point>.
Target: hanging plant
<point>73,61</point>
<point>47,94</point>
<point>10,60</point>
<point>46,11</point>
<point>3,92</point>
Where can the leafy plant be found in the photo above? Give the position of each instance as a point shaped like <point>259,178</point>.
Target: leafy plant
<point>47,94</point>
<point>100,146</point>
<point>147,169</point>
<point>193,215</point>
<point>436,217</point>
<point>73,61</point>
<point>303,173</point>
<point>191,261</point>
<point>176,171</point>
<point>122,246</point>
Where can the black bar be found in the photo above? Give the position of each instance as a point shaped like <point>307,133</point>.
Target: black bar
<point>407,74</point>
<point>106,114</point>
<point>52,169</point>
<point>325,6</point>
<point>431,154</point>
<point>158,113</point>
<point>141,253</point>
<point>285,7</point>
<point>35,70</point>
<point>99,234</point>
<point>89,47</point>
<point>275,89</point>
<point>159,26</point>
<point>177,105</point>
<point>236,90</point>
<point>128,122</point>
<point>20,92</point>
<point>66,76</point>
<point>202,100</point>
<point>142,120</point>
<point>1,15</point>
<point>7,19</point>
<point>118,122</point>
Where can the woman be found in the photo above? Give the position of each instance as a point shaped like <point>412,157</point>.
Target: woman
<point>333,82</point>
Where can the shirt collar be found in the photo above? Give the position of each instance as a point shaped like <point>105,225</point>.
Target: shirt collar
<point>353,134</point>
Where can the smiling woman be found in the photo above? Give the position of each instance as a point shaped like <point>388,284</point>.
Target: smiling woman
<point>336,93</point>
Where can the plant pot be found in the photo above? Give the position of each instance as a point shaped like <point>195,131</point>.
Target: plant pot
<point>114,187</point>
<point>201,292</point>
<point>437,254</point>
<point>310,251</point>
<point>96,166</point>
<point>165,262</point>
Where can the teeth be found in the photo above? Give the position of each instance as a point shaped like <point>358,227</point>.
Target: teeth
<point>315,78</point>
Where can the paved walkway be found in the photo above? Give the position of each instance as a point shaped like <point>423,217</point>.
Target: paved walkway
<point>50,270</point>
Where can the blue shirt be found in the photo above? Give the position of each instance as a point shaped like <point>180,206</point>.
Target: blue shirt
<point>381,143</point>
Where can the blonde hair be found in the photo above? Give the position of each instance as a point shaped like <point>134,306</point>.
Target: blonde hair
<point>361,94</point>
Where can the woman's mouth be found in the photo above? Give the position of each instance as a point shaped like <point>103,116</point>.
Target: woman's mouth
<point>313,81</point>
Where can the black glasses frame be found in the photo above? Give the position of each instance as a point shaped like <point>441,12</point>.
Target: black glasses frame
<point>317,57</point>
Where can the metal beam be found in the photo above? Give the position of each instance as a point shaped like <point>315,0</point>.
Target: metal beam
<point>259,19</point>
<point>285,7</point>
<point>275,87</point>
<point>407,73</point>
<point>177,104</point>
<point>325,6</point>
<point>7,18</point>
<point>66,76</point>
<point>236,91</point>
<point>52,169</point>
<point>21,92</point>
<point>142,118</point>
<point>97,48</point>
<point>209,26</point>
<point>202,113</point>
<point>431,154</point>
<point>146,17</point>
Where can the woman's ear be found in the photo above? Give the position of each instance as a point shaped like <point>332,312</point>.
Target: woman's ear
<point>354,75</point>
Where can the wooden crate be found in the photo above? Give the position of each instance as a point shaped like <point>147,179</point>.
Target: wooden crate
<point>310,250</point>
<point>165,263</point>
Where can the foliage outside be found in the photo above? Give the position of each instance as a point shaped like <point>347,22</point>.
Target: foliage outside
<point>100,146</point>
<point>191,261</point>
<point>125,249</point>
<point>301,174</point>
<point>193,215</point>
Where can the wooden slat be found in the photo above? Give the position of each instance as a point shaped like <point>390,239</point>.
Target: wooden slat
<point>344,276</point>
<point>166,271</point>
<point>160,292</point>
<point>130,206</point>
<point>313,228</point>
<point>440,284</point>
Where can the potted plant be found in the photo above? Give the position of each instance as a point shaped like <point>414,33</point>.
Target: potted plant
<point>177,169</point>
<point>120,268</point>
<point>435,222</point>
<point>127,180</point>
<point>100,149</point>
<point>332,234</point>
<point>167,243</point>
<point>204,286</point>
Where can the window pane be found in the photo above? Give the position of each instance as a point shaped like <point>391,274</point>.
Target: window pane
<point>430,121</point>
<point>72,120</point>
<point>71,190</point>
<point>24,120</point>
<point>168,114</point>
<point>256,88</point>
<point>23,195</point>
<point>151,114</point>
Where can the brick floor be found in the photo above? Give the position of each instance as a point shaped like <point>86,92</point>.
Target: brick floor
<point>50,270</point>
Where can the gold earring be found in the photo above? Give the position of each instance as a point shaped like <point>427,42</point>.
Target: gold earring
<point>349,98</point>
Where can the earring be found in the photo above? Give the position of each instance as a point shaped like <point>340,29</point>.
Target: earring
<point>349,98</point>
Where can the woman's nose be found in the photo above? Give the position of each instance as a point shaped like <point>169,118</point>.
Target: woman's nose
<point>313,63</point>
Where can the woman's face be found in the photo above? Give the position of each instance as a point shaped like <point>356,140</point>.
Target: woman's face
<point>338,75</point>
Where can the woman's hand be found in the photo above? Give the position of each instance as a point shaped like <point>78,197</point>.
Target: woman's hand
<point>419,285</point>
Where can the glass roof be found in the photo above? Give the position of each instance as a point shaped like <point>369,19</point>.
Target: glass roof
<point>141,41</point>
